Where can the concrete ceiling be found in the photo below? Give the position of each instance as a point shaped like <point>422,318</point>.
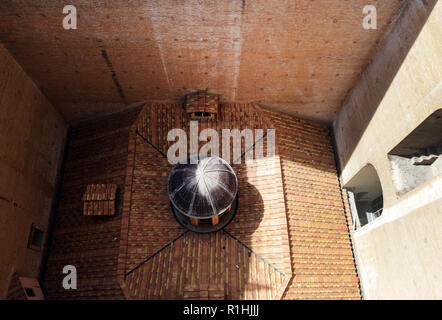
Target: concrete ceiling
<point>300,57</point>
<point>366,184</point>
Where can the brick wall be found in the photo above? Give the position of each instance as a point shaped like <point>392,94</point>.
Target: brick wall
<point>32,135</point>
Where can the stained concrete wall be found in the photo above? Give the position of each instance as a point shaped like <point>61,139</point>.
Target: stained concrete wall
<point>407,176</point>
<point>32,135</point>
<point>399,255</point>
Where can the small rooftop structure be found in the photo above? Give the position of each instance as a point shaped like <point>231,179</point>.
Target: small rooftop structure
<point>99,200</point>
<point>201,104</point>
<point>201,191</point>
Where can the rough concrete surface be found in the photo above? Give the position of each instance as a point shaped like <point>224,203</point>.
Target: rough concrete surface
<point>399,90</point>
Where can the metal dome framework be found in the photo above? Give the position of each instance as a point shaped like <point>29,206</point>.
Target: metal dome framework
<point>203,199</point>
<point>203,193</point>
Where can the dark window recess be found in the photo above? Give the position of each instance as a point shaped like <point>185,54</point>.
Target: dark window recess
<point>30,292</point>
<point>207,222</point>
<point>203,114</point>
<point>36,237</point>
<point>365,196</point>
<point>417,158</point>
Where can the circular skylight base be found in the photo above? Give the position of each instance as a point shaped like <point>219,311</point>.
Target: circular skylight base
<point>205,225</point>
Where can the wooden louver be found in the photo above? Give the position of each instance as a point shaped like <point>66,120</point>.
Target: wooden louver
<point>99,200</point>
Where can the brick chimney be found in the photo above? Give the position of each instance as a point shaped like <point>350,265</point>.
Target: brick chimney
<point>202,105</point>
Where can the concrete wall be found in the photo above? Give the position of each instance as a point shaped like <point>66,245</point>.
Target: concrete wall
<point>32,136</point>
<point>399,255</point>
<point>407,176</point>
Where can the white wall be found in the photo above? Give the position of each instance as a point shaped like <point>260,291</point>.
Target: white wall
<point>399,255</point>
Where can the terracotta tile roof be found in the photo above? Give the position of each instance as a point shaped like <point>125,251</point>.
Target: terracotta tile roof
<point>203,266</point>
<point>291,215</point>
<point>148,224</point>
<point>97,152</point>
<point>261,221</point>
<point>157,119</point>
<point>321,254</point>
